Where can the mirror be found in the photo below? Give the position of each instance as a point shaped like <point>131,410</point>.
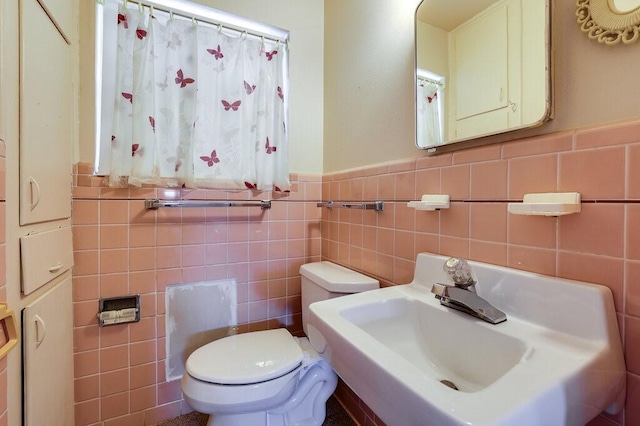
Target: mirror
<point>483,68</point>
<point>610,21</point>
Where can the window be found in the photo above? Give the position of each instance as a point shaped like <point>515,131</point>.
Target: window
<point>190,97</point>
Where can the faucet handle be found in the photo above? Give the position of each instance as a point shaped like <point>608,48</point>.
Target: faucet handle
<point>439,290</point>
<point>459,271</point>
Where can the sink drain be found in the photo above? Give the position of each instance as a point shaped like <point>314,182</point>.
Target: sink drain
<point>449,383</point>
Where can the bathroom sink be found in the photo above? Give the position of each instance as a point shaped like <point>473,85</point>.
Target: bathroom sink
<point>557,360</point>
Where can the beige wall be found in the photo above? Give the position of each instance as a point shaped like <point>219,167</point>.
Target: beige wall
<point>304,20</point>
<point>369,81</point>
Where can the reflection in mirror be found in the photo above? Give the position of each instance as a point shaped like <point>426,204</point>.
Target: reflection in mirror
<point>483,68</point>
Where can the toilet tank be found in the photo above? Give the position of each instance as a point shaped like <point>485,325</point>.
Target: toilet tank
<point>326,280</point>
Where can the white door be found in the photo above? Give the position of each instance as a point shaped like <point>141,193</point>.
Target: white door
<point>47,326</point>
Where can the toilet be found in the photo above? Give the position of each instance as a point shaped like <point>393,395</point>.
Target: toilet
<point>270,377</point>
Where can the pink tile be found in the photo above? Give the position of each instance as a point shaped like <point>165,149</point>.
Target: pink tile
<point>160,413</point>
<point>488,252</point>
<point>142,282</point>
<point>489,180</point>
<point>85,212</point>
<point>405,217</point>
<point>143,398</point>
<point>532,174</point>
<point>404,243</point>
<point>405,185</point>
<point>633,231</point>
<point>476,155</point>
<point>143,330</point>
<point>633,171</point>
<point>114,358</point>
<point>427,243</point>
<point>135,419</point>
<point>384,241</point>
<point>616,134</point>
<point>632,403</point>
<point>488,222</point>
<point>386,187</point>
<point>595,173</point>
<point>169,392</point>
<point>85,262</point>
<point>434,161</point>
<point>632,344</point>
<point>427,182</point>
<point>143,352</point>
<point>455,182</point>
<point>597,229</point>
<point>112,285</point>
<point>114,211</point>
<point>86,388</point>
<point>632,288</point>
<point>168,234</point>
<point>555,142</point>
<point>168,257</point>
<point>454,246</point>
<point>84,313</point>
<point>85,338</point>
<point>607,271</point>
<point>534,231</point>
<point>532,259</point>
<point>384,267</point>
<point>455,221</point>
<point>116,260</point>
<point>193,255</point>
<point>86,288</point>
<point>143,375</point>
<point>112,336</point>
<point>114,236</point>
<point>114,405</point>
<point>87,412</point>
<point>86,363</point>
<point>84,237</point>
<point>114,382</point>
<point>138,214</point>
<point>142,235</point>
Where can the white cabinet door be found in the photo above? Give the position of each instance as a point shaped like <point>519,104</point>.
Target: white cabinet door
<point>46,117</point>
<point>48,358</point>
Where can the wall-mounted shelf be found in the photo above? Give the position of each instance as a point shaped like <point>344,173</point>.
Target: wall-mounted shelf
<point>547,204</point>
<point>430,202</point>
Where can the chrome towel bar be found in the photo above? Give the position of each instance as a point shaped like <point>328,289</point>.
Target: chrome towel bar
<point>373,205</point>
<point>154,204</point>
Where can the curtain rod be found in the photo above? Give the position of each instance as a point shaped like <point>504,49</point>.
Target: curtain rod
<point>154,204</point>
<point>215,17</point>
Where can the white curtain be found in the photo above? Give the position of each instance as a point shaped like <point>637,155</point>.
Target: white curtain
<point>194,106</point>
<point>429,127</point>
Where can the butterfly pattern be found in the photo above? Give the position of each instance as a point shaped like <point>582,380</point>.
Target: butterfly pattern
<point>178,149</point>
<point>122,19</point>
<point>216,53</point>
<point>211,159</point>
<point>181,80</point>
<point>271,54</point>
<point>249,88</point>
<point>234,106</point>
<point>270,149</point>
<point>432,97</point>
<point>141,33</point>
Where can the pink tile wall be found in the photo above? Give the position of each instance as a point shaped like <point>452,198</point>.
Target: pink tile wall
<point>601,244</point>
<point>121,248</point>
<point>4,413</point>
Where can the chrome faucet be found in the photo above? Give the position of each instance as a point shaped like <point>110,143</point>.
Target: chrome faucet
<point>462,295</point>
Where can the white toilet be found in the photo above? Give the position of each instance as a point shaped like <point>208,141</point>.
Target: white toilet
<point>270,377</point>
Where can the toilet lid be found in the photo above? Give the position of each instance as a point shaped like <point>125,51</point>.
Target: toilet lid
<point>246,358</point>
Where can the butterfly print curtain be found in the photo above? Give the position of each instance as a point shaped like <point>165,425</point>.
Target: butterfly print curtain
<point>194,106</point>
<point>429,127</point>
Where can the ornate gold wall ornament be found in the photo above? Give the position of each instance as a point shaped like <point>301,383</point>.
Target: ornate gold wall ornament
<point>603,22</point>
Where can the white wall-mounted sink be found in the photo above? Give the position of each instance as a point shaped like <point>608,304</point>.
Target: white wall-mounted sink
<point>557,360</point>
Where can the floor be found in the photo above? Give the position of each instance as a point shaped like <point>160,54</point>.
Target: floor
<point>336,416</point>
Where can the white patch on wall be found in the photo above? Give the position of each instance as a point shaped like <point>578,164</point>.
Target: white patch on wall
<point>196,314</point>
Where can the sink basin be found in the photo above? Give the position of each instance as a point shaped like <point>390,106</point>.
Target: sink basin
<point>557,360</point>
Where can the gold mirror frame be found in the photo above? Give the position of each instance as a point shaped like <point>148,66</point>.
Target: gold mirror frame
<point>603,22</point>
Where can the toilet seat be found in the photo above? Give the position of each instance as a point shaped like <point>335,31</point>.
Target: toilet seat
<point>247,358</point>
